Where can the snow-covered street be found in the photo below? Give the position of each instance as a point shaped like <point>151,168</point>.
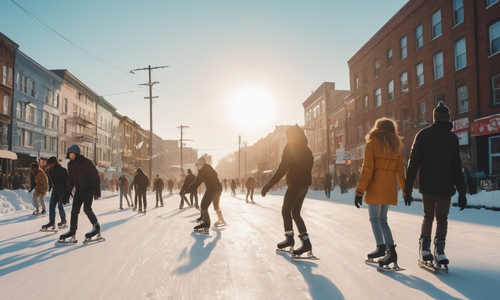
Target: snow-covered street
<point>156,256</point>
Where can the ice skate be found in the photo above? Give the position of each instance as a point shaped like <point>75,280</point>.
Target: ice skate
<point>43,211</point>
<point>35,212</point>
<point>62,224</point>
<point>220,222</point>
<point>287,244</point>
<point>70,234</point>
<point>306,247</point>
<point>95,232</point>
<point>390,257</point>
<point>441,262</point>
<point>426,259</point>
<point>51,226</point>
<point>203,228</point>
<point>379,252</point>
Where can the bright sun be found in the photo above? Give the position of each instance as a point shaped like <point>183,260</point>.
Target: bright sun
<point>252,108</point>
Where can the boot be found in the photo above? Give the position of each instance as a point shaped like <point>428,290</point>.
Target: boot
<point>50,225</point>
<point>95,230</point>
<point>390,257</point>
<point>220,222</point>
<point>379,252</point>
<point>439,251</point>
<point>288,242</point>
<point>69,234</point>
<point>202,228</point>
<point>306,245</point>
<point>425,249</point>
<point>62,223</point>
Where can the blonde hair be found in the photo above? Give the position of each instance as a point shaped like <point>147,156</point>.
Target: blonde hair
<point>386,130</point>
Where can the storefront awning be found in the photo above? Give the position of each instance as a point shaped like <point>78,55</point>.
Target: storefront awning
<point>487,125</point>
<point>8,154</point>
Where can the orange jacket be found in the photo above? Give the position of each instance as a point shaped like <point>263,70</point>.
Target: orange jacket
<point>379,173</point>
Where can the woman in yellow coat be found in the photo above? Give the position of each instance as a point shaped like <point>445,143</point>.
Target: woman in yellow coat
<point>382,166</point>
<point>41,187</point>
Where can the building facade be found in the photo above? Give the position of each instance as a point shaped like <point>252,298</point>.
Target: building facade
<point>104,134</point>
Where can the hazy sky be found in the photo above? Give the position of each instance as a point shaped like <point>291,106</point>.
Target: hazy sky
<point>218,53</point>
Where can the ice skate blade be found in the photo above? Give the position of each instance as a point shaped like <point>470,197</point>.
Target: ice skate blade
<point>284,250</point>
<point>309,255</point>
<point>441,267</point>
<point>98,238</point>
<point>220,225</point>
<point>387,268</point>
<point>72,240</point>
<point>371,261</point>
<point>62,227</point>
<point>427,265</point>
<point>48,230</point>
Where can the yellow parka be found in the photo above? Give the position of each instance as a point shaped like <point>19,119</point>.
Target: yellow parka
<point>379,173</point>
<point>42,183</point>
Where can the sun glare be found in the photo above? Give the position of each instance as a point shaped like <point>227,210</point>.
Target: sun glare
<point>252,108</point>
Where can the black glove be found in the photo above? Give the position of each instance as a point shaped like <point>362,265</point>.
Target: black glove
<point>265,189</point>
<point>30,190</point>
<point>408,199</point>
<point>97,193</point>
<point>462,201</point>
<point>358,201</point>
<point>65,199</point>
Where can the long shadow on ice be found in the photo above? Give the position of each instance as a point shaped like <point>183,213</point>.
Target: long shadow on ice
<point>320,287</point>
<point>473,283</point>
<point>198,252</point>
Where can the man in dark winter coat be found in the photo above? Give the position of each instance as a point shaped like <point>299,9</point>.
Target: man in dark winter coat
<point>208,175</point>
<point>170,186</point>
<point>158,185</point>
<point>327,184</point>
<point>58,183</point>
<point>82,175</point>
<point>250,185</point>
<point>296,162</point>
<point>435,155</point>
<point>190,178</point>
<point>141,184</point>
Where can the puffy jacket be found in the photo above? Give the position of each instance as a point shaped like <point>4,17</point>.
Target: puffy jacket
<point>379,174</point>
<point>190,178</point>
<point>141,180</point>
<point>82,174</point>
<point>435,155</point>
<point>207,175</point>
<point>42,183</point>
<point>58,177</point>
<point>250,183</point>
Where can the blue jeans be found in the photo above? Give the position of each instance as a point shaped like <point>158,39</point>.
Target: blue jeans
<point>380,227</point>
<point>56,198</point>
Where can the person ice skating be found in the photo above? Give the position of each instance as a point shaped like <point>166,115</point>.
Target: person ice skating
<point>435,155</point>
<point>296,163</point>
<point>250,185</point>
<point>83,176</point>
<point>123,188</point>
<point>233,188</point>
<point>170,185</point>
<point>207,175</point>
<point>141,184</point>
<point>193,194</point>
<point>58,183</point>
<point>39,183</point>
<point>327,186</point>
<point>343,183</point>
<point>383,168</point>
<point>158,185</point>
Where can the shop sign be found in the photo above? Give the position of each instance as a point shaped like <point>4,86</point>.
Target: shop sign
<point>463,137</point>
<point>488,125</point>
<point>461,124</point>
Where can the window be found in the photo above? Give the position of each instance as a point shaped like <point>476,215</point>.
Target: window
<point>494,153</point>
<point>22,83</point>
<point>6,100</point>
<point>64,126</point>
<point>389,58</point>
<point>365,77</point>
<point>490,2</point>
<point>367,127</point>
<point>19,110</point>
<point>376,71</point>
<point>4,78</point>
<point>65,105</point>
<point>54,121</point>
<point>28,138</point>
<point>404,82</point>
<point>63,147</point>
<point>44,143</point>
<point>404,52</point>
<point>495,38</point>
<point>496,88</point>
<point>32,88</point>
<point>53,144</point>
<point>462,99</point>
<point>360,133</point>
<point>390,90</point>
<point>31,114</point>
<point>458,12</point>
<point>420,74</point>
<point>45,121</point>
<point>438,65</point>
<point>460,55</point>
<point>367,104</point>
<point>419,37</point>
<point>436,24</point>
<point>378,97</point>
<point>421,113</point>
<point>49,96</point>
<point>405,118</point>
<point>356,83</point>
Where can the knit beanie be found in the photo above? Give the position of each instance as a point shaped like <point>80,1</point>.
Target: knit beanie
<point>441,113</point>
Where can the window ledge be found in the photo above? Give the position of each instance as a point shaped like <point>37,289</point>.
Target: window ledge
<point>456,70</point>
<point>496,53</point>
<point>489,6</point>
<point>456,25</point>
<point>438,78</point>
<point>437,36</point>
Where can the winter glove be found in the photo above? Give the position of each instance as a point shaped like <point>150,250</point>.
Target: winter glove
<point>265,189</point>
<point>30,190</point>
<point>408,199</point>
<point>97,193</point>
<point>65,199</point>
<point>462,201</point>
<point>358,201</point>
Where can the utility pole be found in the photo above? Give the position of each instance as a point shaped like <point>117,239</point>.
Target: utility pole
<point>150,84</point>
<point>245,143</point>
<point>182,142</point>
<point>239,160</point>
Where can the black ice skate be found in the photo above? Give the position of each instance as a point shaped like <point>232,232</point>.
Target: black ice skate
<point>426,259</point>
<point>391,257</point>
<point>379,252</point>
<point>306,247</point>
<point>96,231</point>
<point>62,224</point>
<point>49,227</point>
<point>70,234</point>
<point>289,242</point>
<point>203,228</point>
<point>441,262</point>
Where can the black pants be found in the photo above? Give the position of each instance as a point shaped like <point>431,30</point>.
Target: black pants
<point>159,197</point>
<point>142,199</point>
<point>328,190</point>
<point>211,195</point>
<point>194,195</point>
<point>249,192</point>
<point>292,204</point>
<point>85,197</point>
<point>435,207</point>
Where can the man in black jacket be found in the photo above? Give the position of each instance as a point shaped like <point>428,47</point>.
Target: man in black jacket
<point>82,175</point>
<point>141,184</point>
<point>58,183</point>
<point>158,185</point>
<point>435,155</point>
<point>190,178</point>
<point>296,162</point>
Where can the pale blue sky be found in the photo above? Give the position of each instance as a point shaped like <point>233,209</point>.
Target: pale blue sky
<point>213,50</point>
